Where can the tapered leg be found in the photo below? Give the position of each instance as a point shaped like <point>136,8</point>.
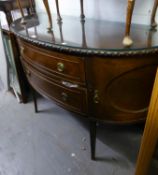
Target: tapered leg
<point>153,22</point>
<point>34,99</point>
<point>46,4</point>
<point>82,10</point>
<point>93,138</point>
<point>127,41</point>
<point>58,11</point>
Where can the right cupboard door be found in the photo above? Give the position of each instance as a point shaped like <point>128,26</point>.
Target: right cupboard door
<point>120,88</point>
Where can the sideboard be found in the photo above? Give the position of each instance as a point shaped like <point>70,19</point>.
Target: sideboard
<point>83,67</point>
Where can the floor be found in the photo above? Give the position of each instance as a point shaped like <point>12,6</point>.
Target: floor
<point>56,142</point>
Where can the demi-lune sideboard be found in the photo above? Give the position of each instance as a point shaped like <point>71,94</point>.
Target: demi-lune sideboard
<point>84,67</point>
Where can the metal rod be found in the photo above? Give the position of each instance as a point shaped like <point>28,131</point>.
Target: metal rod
<point>46,4</point>
<point>127,41</point>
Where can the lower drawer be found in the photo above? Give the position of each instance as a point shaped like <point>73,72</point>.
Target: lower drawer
<point>73,99</point>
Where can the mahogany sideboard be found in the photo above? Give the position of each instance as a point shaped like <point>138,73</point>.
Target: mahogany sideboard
<point>83,67</point>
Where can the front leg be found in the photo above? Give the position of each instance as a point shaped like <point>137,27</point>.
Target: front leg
<point>153,22</point>
<point>127,41</point>
<point>34,98</point>
<point>92,138</point>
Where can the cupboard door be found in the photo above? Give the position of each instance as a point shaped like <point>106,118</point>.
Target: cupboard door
<point>120,88</point>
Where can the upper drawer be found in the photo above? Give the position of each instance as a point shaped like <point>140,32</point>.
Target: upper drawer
<point>67,66</point>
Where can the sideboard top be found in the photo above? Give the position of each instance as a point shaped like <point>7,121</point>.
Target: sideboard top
<point>92,37</point>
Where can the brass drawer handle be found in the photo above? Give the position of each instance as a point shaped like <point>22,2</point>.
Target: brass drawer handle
<point>96,97</point>
<point>64,96</point>
<point>69,85</point>
<point>60,67</point>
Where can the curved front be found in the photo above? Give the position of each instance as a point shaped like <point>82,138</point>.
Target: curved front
<point>100,88</point>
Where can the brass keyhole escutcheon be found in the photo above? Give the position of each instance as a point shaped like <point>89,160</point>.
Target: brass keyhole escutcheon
<point>60,67</point>
<point>64,96</point>
<point>96,97</point>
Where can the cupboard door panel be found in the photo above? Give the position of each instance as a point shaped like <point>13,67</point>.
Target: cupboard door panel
<point>120,88</point>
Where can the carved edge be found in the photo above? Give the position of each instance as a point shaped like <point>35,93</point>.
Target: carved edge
<point>86,52</point>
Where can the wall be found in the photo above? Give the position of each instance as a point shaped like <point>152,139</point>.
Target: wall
<point>103,9</point>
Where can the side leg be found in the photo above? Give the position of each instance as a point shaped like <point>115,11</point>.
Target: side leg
<point>93,138</point>
<point>127,41</point>
<point>153,22</point>
<point>34,99</point>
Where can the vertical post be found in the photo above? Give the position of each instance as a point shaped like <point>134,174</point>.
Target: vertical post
<point>127,41</point>
<point>93,138</point>
<point>82,10</point>
<point>153,22</point>
<point>150,135</point>
<point>22,12</point>
<point>58,11</point>
<point>46,4</point>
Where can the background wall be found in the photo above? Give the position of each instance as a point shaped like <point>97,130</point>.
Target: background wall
<point>103,9</point>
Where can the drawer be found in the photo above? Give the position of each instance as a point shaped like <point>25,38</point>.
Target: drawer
<point>67,66</point>
<point>74,99</point>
